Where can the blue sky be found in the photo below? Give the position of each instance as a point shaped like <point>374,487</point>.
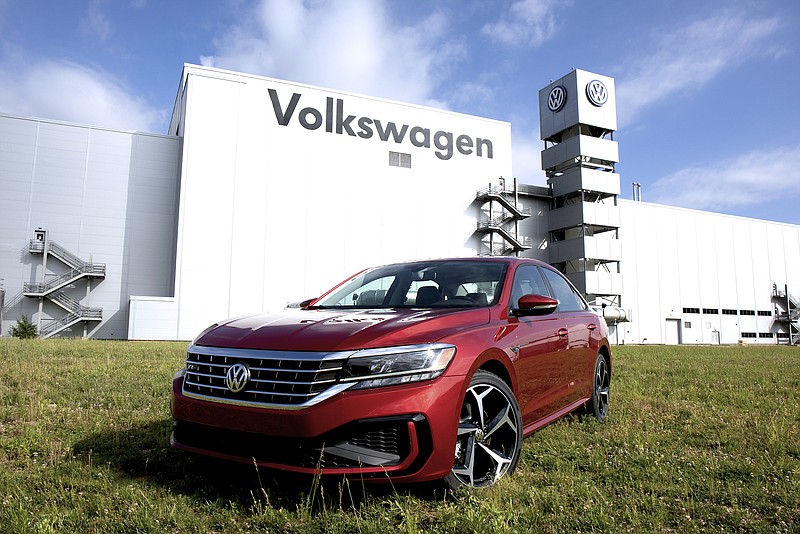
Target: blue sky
<point>708,92</point>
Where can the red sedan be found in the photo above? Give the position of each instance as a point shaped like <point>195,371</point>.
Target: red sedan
<point>415,371</point>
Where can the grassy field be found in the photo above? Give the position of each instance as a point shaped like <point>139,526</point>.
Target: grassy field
<point>698,439</point>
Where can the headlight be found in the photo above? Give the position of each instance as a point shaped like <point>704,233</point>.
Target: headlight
<point>397,365</point>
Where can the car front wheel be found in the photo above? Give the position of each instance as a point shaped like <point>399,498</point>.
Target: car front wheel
<point>489,435</point>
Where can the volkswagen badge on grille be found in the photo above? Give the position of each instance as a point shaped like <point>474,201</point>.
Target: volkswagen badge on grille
<point>237,377</point>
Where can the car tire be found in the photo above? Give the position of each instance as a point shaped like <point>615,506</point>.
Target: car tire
<point>489,436</point>
<point>601,388</point>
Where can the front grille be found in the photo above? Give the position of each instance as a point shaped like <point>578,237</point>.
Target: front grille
<point>379,438</point>
<point>282,379</point>
<point>380,442</point>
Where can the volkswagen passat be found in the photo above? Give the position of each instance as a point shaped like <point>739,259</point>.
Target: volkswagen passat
<point>415,371</point>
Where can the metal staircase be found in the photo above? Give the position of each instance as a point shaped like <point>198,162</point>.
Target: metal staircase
<point>51,285</point>
<point>502,214</point>
<point>787,312</point>
<point>506,199</point>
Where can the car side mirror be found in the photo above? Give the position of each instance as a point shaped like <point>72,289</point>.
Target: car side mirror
<point>303,304</point>
<point>534,305</point>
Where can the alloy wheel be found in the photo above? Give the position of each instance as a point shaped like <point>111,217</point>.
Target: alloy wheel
<point>600,388</point>
<point>489,433</point>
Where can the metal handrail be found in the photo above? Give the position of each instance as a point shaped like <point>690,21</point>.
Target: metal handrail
<point>58,325</point>
<point>506,197</point>
<point>496,222</point>
<point>518,242</point>
<point>493,189</point>
<point>85,314</point>
<point>75,306</point>
<point>67,257</point>
<point>51,284</point>
<point>62,298</point>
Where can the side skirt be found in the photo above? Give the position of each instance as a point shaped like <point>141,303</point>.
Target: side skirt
<point>544,421</point>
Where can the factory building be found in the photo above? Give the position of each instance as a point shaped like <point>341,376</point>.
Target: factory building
<point>266,192</point>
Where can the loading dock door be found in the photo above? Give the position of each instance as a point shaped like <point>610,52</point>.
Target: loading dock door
<point>672,335</point>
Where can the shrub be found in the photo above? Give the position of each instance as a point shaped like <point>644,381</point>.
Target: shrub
<point>24,329</point>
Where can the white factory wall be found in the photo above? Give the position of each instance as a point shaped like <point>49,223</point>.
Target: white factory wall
<point>272,214</point>
<point>254,214</point>
<point>676,259</point>
<point>108,196</point>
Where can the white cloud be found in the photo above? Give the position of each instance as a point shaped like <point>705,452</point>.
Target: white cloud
<point>527,162</point>
<point>66,91</point>
<point>471,92</point>
<point>526,23</point>
<point>687,59</point>
<point>758,177</point>
<point>347,44</point>
<point>96,22</point>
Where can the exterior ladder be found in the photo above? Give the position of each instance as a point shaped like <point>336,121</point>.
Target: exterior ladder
<point>503,222</point>
<point>787,311</point>
<point>51,286</point>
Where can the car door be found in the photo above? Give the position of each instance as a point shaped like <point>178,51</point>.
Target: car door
<point>540,345</point>
<point>578,359</point>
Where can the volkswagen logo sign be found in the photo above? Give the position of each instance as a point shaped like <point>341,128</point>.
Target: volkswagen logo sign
<point>237,377</point>
<point>597,92</point>
<point>557,98</point>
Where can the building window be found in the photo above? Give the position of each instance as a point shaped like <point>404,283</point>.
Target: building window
<point>749,334</point>
<point>687,324</point>
<point>691,310</point>
<point>399,159</point>
<point>765,313</point>
<point>711,311</point>
<point>766,335</point>
<point>783,335</point>
<point>728,312</point>
<point>747,312</point>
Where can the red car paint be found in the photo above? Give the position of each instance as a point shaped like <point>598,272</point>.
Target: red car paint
<point>407,431</point>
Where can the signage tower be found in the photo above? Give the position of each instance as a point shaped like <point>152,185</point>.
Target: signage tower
<point>578,117</point>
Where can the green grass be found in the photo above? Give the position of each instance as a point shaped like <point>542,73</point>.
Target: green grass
<point>698,439</point>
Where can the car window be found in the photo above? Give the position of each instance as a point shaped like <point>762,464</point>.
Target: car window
<point>370,294</point>
<point>568,299</point>
<point>434,283</point>
<point>527,281</point>
<point>414,291</point>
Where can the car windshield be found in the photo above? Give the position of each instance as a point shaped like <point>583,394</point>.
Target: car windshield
<point>432,284</point>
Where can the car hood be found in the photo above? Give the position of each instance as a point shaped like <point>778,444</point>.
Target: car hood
<point>334,330</point>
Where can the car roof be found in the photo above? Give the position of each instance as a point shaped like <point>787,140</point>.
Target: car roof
<point>492,259</point>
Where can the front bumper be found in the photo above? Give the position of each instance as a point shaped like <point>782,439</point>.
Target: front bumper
<point>406,432</point>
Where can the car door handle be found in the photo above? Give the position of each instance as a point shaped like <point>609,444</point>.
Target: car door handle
<point>591,326</point>
<point>563,332</point>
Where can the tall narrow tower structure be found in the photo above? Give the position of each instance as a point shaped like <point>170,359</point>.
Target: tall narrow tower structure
<point>578,117</point>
